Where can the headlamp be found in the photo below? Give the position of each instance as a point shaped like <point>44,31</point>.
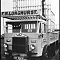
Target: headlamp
<point>5,45</point>
<point>6,53</point>
<point>32,47</point>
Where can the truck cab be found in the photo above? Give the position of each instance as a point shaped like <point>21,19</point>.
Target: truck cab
<point>25,33</point>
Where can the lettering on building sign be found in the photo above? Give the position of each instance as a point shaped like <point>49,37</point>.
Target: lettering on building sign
<point>19,12</point>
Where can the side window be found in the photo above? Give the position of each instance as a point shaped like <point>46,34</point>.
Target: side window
<point>43,28</point>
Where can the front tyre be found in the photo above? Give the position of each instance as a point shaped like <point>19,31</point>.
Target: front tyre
<point>48,52</point>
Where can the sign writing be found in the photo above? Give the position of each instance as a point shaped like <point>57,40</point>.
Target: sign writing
<point>19,12</point>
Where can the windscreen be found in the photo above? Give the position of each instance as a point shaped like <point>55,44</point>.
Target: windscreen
<point>15,27</point>
<point>29,27</point>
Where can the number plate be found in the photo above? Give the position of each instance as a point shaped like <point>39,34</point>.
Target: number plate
<point>20,58</point>
<point>15,57</point>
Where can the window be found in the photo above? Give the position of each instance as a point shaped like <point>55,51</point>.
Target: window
<point>28,12</point>
<point>21,12</point>
<point>43,28</point>
<point>32,12</point>
<point>29,27</point>
<point>16,27</point>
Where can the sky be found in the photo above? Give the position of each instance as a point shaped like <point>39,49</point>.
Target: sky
<point>6,5</point>
<point>55,9</point>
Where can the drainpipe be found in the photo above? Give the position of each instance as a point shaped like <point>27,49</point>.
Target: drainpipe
<point>43,8</point>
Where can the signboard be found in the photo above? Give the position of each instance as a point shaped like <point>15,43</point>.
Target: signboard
<point>28,12</point>
<point>21,15</point>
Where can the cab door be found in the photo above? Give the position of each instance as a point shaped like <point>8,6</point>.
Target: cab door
<point>43,33</point>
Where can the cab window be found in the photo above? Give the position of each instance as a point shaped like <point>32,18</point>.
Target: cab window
<point>13,27</point>
<point>42,28</point>
<point>16,27</point>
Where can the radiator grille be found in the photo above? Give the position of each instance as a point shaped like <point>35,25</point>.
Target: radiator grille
<point>20,44</point>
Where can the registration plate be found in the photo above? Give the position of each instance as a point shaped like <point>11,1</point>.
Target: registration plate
<point>20,58</point>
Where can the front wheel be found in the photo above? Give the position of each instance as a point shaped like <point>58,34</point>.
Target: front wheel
<point>48,52</point>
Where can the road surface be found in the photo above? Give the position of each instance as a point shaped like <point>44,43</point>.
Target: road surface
<point>56,57</point>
